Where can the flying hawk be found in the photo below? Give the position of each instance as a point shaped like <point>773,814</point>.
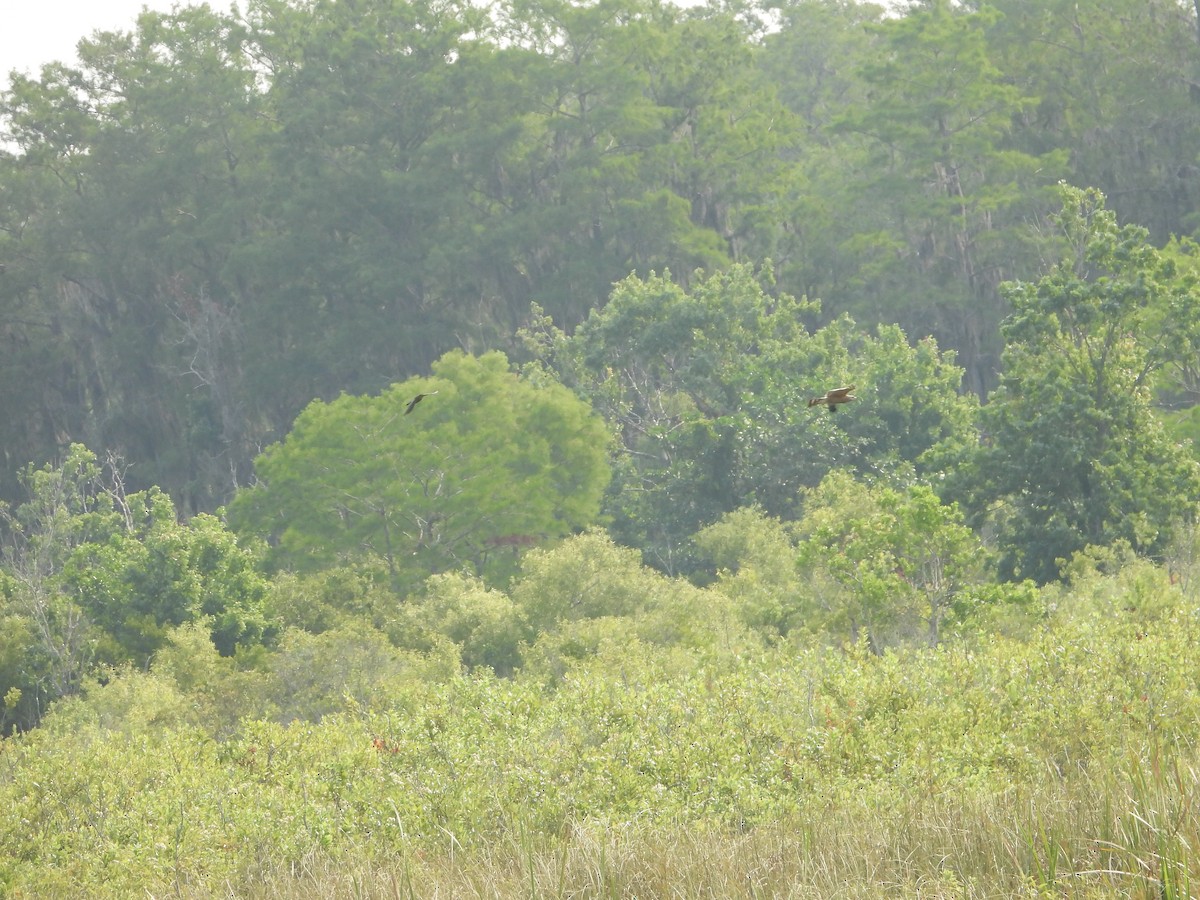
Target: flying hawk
<point>412,404</point>
<point>833,397</point>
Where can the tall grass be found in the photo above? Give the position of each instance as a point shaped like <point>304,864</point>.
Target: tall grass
<point>1130,834</point>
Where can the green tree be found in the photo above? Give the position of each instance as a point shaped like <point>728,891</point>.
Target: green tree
<point>1072,452</point>
<point>93,575</point>
<point>320,601</point>
<point>815,58</point>
<point>634,114</point>
<point>662,364</point>
<point>488,464</point>
<point>708,387</point>
<point>944,189</point>
<point>588,577</point>
<point>154,573</point>
<point>152,130</point>
<point>1177,382</point>
<point>357,261</point>
<point>1115,82</point>
<point>66,507</point>
<point>880,559</point>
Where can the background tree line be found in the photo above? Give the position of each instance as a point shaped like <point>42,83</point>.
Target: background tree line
<point>624,244</point>
<point>657,476</point>
<point>210,220</point>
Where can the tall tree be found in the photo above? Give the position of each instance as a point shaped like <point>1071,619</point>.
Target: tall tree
<point>1072,453</point>
<point>646,131</point>
<point>814,59</point>
<point>361,212</point>
<point>129,175</point>
<point>944,188</point>
<point>1118,83</point>
<point>708,391</point>
<point>489,464</point>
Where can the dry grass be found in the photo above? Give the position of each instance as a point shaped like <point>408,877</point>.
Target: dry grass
<point>1128,836</point>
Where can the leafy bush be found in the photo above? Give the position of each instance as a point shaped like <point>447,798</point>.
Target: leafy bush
<point>95,576</point>
<point>315,675</point>
<point>339,595</point>
<point>483,622</point>
<point>584,577</point>
<point>393,752</point>
<point>755,559</point>
<point>886,562</point>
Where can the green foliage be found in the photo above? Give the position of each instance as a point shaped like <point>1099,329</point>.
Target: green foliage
<point>488,464</point>
<point>483,622</point>
<point>151,130</point>
<point>50,648</point>
<point>755,560</point>
<point>125,701</point>
<point>313,199</point>
<point>585,577</point>
<point>222,691</point>
<point>1073,453</point>
<point>214,217</point>
<point>65,506</point>
<point>338,595</point>
<point>589,593</point>
<point>156,573</point>
<point>19,703</point>
<point>97,576</point>
<point>922,190</point>
<point>1090,723</point>
<point>312,676</point>
<point>1093,71</point>
<point>910,406</point>
<point>707,389</point>
<point>881,559</point>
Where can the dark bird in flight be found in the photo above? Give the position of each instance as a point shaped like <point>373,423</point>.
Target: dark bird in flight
<point>412,404</point>
<point>833,397</point>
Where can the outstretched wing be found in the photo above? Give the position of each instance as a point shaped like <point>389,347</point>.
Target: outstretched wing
<point>833,397</point>
<point>415,400</point>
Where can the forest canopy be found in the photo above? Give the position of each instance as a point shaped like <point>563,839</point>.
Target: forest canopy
<point>617,247</point>
<point>211,219</point>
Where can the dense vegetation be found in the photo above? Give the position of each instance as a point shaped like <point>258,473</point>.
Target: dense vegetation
<point>210,220</point>
<point>611,610</point>
<point>660,749</point>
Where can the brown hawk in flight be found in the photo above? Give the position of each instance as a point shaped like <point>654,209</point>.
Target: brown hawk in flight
<point>833,397</point>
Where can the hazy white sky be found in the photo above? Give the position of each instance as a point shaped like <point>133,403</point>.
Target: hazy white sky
<point>33,32</point>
